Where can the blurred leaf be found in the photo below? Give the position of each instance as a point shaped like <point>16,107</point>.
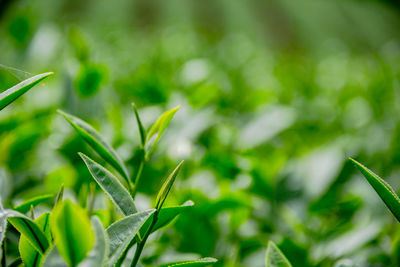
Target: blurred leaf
<point>24,207</point>
<point>16,91</point>
<point>195,263</point>
<point>89,78</point>
<point>97,142</point>
<point>142,131</point>
<point>73,234</point>
<point>30,256</point>
<point>28,228</point>
<point>163,193</point>
<point>159,127</point>
<point>384,190</point>
<point>3,228</point>
<point>122,232</point>
<point>275,257</point>
<point>97,256</point>
<point>52,258</point>
<point>165,216</point>
<point>111,186</point>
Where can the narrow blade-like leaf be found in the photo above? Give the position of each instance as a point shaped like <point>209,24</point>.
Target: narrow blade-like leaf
<point>24,207</point>
<point>28,228</point>
<point>30,256</point>
<point>195,263</point>
<point>142,131</point>
<point>111,186</point>
<point>16,91</point>
<point>384,190</point>
<point>165,216</point>
<point>275,257</point>
<point>97,256</point>
<point>163,193</point>
<point>159,127</point>
<point>97,142</point>
<point>73,234</point>
<point>122,232</point>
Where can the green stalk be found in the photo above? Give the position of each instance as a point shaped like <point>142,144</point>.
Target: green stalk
<point>3,258</point>
<point>140,245</point>
<point>138,174</point>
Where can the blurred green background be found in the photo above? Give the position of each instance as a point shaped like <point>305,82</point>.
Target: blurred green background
<point>274,95</point>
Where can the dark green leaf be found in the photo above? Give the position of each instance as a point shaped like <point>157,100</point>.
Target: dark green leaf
<point>275,257</point>
<point>30,256</point>
<point>24,207</point>
<point>142,131</point>
<point>97,142</point>
<point>163,193</point>
<point>384,190</point>
<point>111,186</point>
<point>73,234</point>
<point>122,232</point>
<point>16,91</point>
<point>195,263</point>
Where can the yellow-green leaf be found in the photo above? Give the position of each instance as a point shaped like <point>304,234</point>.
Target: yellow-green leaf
<point>25,206</point>
<point>73,234</point>
<point>194,263</point>
<point>30,256</point>
<point>163,193</point>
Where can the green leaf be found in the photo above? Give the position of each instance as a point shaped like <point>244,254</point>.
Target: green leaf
<point>195,263</point>
<point>384,190</point>
<point>275,257</point>
<point>111,186</point>
<point>52,258</point>
<point>159,127</point>
<point>97,142</point>
<point>165,216</point>
<point>25,206</point>
<point>142,131</point>
<point>28,228</point>
<point>122,232</point>
<point>163,193</point>
<point>98,255</point>
<point>73,234</point>
<point>8,96</point>
<point>30,256</point>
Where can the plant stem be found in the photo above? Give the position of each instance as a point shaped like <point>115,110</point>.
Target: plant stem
<point>3,255</point>
<point>138,175</point>
<point>141,244</point>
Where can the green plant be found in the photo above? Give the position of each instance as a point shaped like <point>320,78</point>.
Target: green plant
<point>72,235</point>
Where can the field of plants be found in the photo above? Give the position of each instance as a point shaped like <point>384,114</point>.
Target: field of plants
<point>199,133</point>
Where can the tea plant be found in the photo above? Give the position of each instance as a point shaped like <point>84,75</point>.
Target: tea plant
<point>71,235</point>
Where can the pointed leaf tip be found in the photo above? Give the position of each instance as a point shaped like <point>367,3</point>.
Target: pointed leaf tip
<point>166,187</point>
<point>382,188</point>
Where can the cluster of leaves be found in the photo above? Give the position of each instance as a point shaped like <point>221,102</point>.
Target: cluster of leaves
<point>67,235</point>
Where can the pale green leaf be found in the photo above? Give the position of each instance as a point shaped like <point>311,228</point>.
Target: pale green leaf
<point>122,232</point>
<point>25,206</point>
<point>52,258</point>
<point>384,190</point>
<point>275,257</point>
<point>163,193</point>
<point>73,234</point>
<point>195,263</point>
<point>97,142</point>
<point>111,186</point>
<point>98,255</point>
<point>16,91</point>
<point>3,227</point>
<point>29,255</point>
